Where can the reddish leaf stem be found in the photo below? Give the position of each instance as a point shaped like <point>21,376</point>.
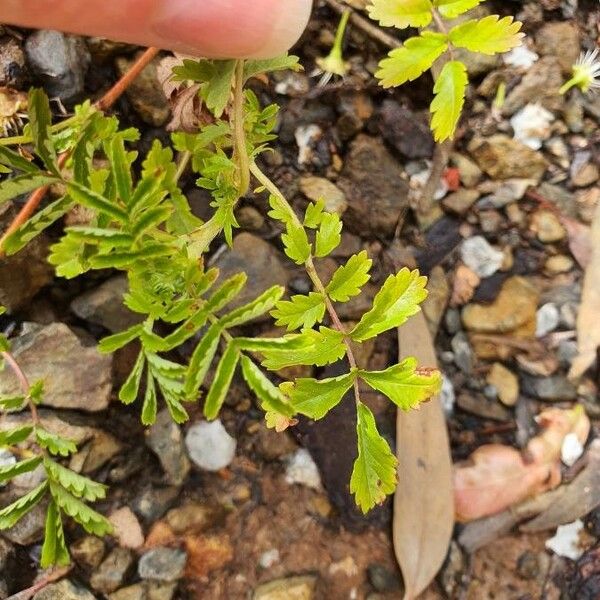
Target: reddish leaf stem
<point>105,103</point>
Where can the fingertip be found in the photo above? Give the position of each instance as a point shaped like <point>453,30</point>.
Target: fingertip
<point>232,28</point>
<point>287,28</point>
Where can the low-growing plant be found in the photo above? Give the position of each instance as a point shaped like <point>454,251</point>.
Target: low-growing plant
<point>141,224</point>
<point>439,40</point>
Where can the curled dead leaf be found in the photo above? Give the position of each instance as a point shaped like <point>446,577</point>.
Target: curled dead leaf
<point>186,104</point>
<point>588,326</point>
<point>465,284</point>
<point>496,477</point>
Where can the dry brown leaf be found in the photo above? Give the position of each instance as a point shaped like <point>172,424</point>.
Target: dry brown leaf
<point>466,282</point>
<point>579,498</point>
<point>423,504</point>
<point>588,324</point>
<point>580,240</point>
<point>496,476</point>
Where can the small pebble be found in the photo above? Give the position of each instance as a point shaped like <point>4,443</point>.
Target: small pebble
<point>209,445</point>
<point>301,469</point>
<point>547,319</point>
<point>480,256</point>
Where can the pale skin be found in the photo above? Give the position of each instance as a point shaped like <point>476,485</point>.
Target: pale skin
<point>210,28</point>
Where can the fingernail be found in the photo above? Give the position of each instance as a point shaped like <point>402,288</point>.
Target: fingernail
<point>288,23</point>
<point>231,28</point>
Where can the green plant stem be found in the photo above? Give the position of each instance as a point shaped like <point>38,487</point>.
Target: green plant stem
<point>312,273</point>
<point>241,149</point>
<point>182,164</point>
<point>339,35</point>
<point>441,26</point>
<point>24,383</point>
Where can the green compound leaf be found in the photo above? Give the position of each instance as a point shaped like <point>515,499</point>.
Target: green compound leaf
<point>272,399</point>
<point>56,445</point>
<point>38,223</point>
<point>296,244</point>
<point>397,300</point>
<point>201,360</point>
<point>120,167</point>
<point>315,398</point>
<point>401,13</point>
<point>310,347</point>
<point>12,403</point>
<point>95,201</point>
<point>374,473</point>
<point>13,513</point>
<point>15,436</point>
<point>412,60</point>
<point>115,342</point>
<point>490,35</point>
<point>9,472</point>
<point>129,391</point>
<point>280,211</point>
<point>76,484</point>
<point>449,100</point>
<point>227,292</point>
<point>450,9</point>
<point>263,304</point>
<point>405,384</point>
<point>348,280</point>
<point>23,184</point>
<point>222,381</point>
<point>15,161</point>
<point>299,311</point>
<point>54,550</point>
<point>40,119</point>
<point>93,522</point>
<point>270,65</point>
<point>328,236</point>
<point>314,214</point>
<point>150,406</point>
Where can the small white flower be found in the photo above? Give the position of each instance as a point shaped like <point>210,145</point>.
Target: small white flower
<point>586,72</point>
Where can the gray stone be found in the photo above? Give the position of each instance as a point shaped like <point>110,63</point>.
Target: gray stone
<point>296,588</point>
<point>12,63</point>
<point>504,158</point>
<point>24,274</point>
<point>30,529</point>
<point>315,188</point>
<point>463,354</point>
<point>555,388</point>
<point>162,564</point>
<point>560,39</point>
<point>542,83</point>
<point>110,575</point>
<point>88,551</point>
<point>165,439</point>
<point>210,446</point>
<point>104,306</point>
<point>376,191</point>
<point>262,263</point>
<point>64,590</point>
<point>480,256</point>
<point>133,592</point>
<point>154,502</point>
<point>75,374</point>
<point>146,93</point>
<point>470,173</point>
<point>460,202</point>
<point>60,61</point>
<point>382,579</point>
<point>408,133</point>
